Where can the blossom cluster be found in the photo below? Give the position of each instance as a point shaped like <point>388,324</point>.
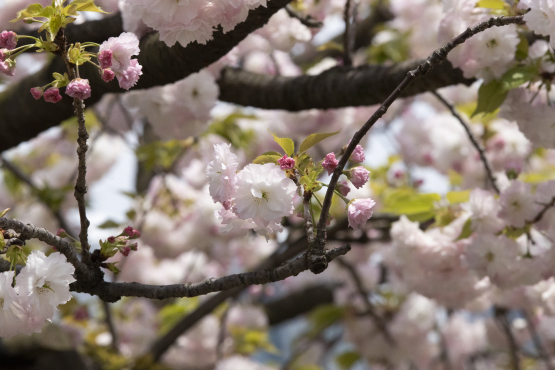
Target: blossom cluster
<point>190,20</point>
<point>40,287</point>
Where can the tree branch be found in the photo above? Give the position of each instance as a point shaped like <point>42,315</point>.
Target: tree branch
<point>337,87</point>
<point>161,65</point>
<point>473,140</point>
<point>437,56</point>
<point>114,291</point>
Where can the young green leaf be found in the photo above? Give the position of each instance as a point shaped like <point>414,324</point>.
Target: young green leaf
<point>466,230</point>
<point>31,11</point>
<point>267,158</point>
<point>314,139</point>
<point>490,97</point>
<point>491,4</point>
<point>87,6</point>
<point>286,144</point>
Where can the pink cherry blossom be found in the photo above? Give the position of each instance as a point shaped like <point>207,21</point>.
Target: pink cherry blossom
<point>4,54</point>
<point>52,95</point>
<point>358,155</point>
<point>36,92</point>
<point>360,211</point>
<point>128,78</point>
<point>8,40</point>
<point>79,88</point>
<point>108,75</point>
<point>343,187</point>
<point>105,58</point>
<point>7,67</point>
<point>330,163</point>
<point>359,176</point>
<point>286,163</point>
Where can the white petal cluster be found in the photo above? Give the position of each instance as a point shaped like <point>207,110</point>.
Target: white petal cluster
<point>264,194</point>
<point>40,287</point>
<point>541,17</point>
<point>186,21</point>
<point>256,198</point>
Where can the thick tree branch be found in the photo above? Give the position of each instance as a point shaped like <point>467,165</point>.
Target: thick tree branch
<point>114,291</point>
<point>161,65</point>
<point>337,87</point>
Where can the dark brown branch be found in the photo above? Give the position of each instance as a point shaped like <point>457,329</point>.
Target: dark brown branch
<point>437,56</point>
<point>473,140</point>
<point>337,87</point>
<point>31,232</point>
<point>502,319</point>
<point>114,291</point>
<point>161,65</point>
<point>81,183</point>
<point>307,20</point>
<point>110,323</point>
<point>545,208</point>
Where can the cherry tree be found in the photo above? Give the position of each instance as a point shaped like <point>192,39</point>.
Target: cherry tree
<point>382,172</point>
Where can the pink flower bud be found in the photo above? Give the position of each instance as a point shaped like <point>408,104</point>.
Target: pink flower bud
<point>62,233</point>
<point>133,246</point>
<point>125,251</point>
<point>330,163</point>
<point>79,88</point>
<point>359,211</point>
<point>343,188</point>
<point>358,176</point>
<point>7,67</point>
<point>112,239</point>
<point>4,54</point>
<point>286,163</point>
<point>36,92</point>
<point>8,40</point>
<point>52,95</point>
<point>136,234</point>
<point>105,58</point>
<point>128,231</point>
<point>108,75</point>
<point>358,155</point>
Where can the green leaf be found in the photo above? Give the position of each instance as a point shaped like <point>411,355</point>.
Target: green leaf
<point>87,6</point>
<point>490,97</point>
<point>3,213</point>
<point>108,225</point>
<point>171,314</point>
<point>266,158</point>
<point>55,24</point>
<point>491,4</point>
<point>517,76</point>
<point>347,359</point>
<point>31,11</point>
<point>466,230</point>
<point>286,144</point>
<point>314,139</point>
<point>515,232</point>
<point>408,202</point>
<point>322,317</point>
<point>458,196</point>
<point>522,48</point>
<point>232,132</point>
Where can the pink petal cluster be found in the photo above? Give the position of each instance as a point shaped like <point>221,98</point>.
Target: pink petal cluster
<point>358,176</point>
<point>79,88</point>
<point>7,67</point>
<point>116,53</point>
<point>8,40</point>
<point>343,187</point>
<point>360,211</point>
<point>128,78</point>
<point>52,95</point>
<point>4,54</point>
<point>36,92</point>
<point>286,163</point>
<point>108,75</point>
<point>358,155</point>
<point>330,163</point>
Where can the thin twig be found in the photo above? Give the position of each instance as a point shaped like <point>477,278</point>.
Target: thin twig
<point>81,183</point>
<point>16,171</point>
<point>222,333</point>
<point>501,316</point>
<point>540,215</point>
<point>307,20</point>
<point>349,16</point>
<point>537,342</point>
<point>111,326</point>
<point>316,264</point>
<point>475,142</point>
<point>378,321</point>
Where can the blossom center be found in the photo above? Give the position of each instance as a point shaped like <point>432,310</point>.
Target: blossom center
<point>259,195</point>
<point>45,288</point>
